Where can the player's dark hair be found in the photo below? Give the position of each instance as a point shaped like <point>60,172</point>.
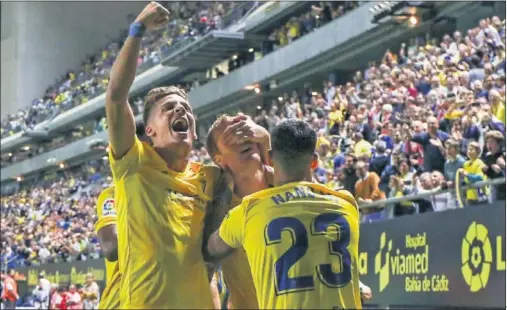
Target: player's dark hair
<point>293,143</point>
<point>156,94</point>
<point>140,129</point>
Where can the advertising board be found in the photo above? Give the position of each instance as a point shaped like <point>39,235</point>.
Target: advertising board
<point>450,258</point>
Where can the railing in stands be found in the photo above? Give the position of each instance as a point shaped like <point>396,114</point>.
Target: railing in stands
<point>461,189</point>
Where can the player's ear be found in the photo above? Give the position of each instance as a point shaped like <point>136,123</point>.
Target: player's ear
<point>315,161</point>
<point>194,133</point>
<point>194,125</point>
<point>270,158</point>
<point>149,131</point>
<point>218,160</point>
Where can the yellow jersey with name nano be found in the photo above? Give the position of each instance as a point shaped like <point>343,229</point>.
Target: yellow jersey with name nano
<point>301,240</point>
<point>106,215</point>
<point>160,224</point>
<point>238,277</point>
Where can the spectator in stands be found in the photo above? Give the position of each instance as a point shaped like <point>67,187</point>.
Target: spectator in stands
<point>453,162</point>
<point>366,187</point>
<point>432,143</point>
<point>42,292</point>
<point>348,175</point>
<point>59,299</point>
<point>362,148</point>
<point>91,293</point>
<point>473,172</point>
<point>399,189</point>
<point>494,162</point>
<point>380,159</point>
<point>74,300</point>
<point>10,289</point>
<point>424,185</point>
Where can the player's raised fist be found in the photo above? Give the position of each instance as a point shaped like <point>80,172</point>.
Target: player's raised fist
<point>153,16</point>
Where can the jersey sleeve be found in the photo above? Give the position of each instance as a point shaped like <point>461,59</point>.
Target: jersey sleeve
<point>106,211</point>
<point>232,228</point>
<point>129,163</point>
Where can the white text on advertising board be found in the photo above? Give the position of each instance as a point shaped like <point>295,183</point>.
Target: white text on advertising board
<point>410,262</point>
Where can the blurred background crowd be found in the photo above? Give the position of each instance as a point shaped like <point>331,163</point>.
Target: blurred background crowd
<point>190,21</point>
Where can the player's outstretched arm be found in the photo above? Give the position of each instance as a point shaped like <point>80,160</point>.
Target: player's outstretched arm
<point>120,118</point>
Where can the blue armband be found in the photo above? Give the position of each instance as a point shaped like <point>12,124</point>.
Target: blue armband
<point>136,30</point>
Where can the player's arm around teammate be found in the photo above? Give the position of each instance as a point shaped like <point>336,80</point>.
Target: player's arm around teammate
<point>106,225</point>
<point>120,118</point>
<point>108,240</point>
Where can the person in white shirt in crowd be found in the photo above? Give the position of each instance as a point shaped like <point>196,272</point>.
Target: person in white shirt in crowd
<point>91,293</point>
<point>42,292</point>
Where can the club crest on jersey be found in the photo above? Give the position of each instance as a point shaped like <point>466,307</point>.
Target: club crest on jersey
<point>108,208</point>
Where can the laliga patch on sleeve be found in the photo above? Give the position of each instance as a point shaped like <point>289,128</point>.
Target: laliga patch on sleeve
<point>108,208</point>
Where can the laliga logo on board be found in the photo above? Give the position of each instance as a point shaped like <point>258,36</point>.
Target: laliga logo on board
<point>476,256</point>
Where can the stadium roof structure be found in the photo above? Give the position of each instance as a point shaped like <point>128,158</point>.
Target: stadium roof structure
<point>211,49</point>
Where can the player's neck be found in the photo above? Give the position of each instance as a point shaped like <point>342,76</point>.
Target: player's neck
<point>174,161</point>
<point>282,178</point>
<point>248,183</point>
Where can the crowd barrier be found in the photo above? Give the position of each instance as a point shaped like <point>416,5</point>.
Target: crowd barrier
<point>450,258</point>
<point>62,274</point>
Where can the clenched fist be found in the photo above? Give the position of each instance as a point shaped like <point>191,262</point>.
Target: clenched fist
<point>153,16</point>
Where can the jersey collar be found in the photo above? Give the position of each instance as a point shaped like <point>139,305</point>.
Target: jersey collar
<point>271,191</point>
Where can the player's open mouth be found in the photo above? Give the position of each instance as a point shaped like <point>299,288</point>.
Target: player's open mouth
<point>180,125</point>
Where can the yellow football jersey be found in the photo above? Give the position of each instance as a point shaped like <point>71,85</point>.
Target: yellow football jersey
<point>301,240</point>
<point>475,167</point>
<point>238,277</point>
<point>160,224</point>
<point>106,215</point>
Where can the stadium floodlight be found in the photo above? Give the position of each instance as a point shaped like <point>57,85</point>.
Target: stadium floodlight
<point>413,21</point>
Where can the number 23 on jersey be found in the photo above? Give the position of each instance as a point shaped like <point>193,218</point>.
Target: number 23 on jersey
<point>300,238</point>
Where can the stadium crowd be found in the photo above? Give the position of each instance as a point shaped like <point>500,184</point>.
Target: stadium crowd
<point>191,20</point>
<point>53,221</point>
<point>318,15</point>
<point>402,127</point>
